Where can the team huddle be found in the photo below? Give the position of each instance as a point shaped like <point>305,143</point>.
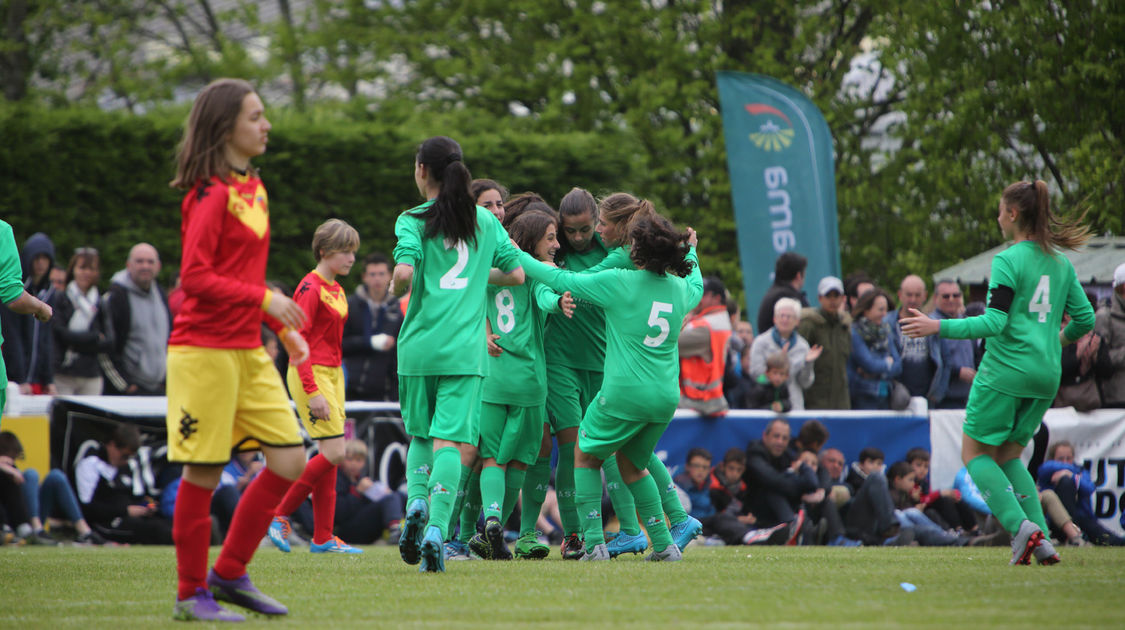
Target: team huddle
<point>513,336</point>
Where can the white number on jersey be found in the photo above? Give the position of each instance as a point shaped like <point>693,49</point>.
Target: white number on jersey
<point>656,321</point>
<point>506,305</point>
<point>1041,301</point>
<point>450,279</point>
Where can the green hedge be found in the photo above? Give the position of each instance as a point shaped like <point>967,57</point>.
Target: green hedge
<point>88,177</point>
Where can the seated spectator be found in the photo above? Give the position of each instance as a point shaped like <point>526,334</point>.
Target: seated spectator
<point>732,522</point>
<point>105,492</point>
<point>874,360</point>
<point>771,390</point>
<point>365,508</point>
<point>783,337</point>
<point>80,327</point>
<point>944,506</point>
<point>904,494</point>
<point>870,515</point>
<point>52,501</point>
<point>1075,490</point>
<point>695,481</point>
<point>783,487</point>
<point>833,466</point>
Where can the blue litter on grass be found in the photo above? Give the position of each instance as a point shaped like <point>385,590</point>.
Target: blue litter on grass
<point>908,587</point>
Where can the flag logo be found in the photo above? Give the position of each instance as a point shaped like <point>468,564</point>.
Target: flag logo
<point>770,135</point>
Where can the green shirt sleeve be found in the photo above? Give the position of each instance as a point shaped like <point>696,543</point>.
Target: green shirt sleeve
<point>598,288</point>
<point>547,299</point>
<point>408,230</point>
<point>506,256</point>
<point>694,280</point>
<point>617,258</point>
<point>992,322</point>
<point>1080,311</point>
<point>11,286</point>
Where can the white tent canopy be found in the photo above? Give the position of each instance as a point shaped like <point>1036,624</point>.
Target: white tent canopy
<point>1094,263</point>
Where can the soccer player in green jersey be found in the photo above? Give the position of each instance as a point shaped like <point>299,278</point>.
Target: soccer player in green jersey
<point>1030,287</point>
<point>640,390</point>
<point>512,411</point>
<point>446,249</point>
<point>11,291</point>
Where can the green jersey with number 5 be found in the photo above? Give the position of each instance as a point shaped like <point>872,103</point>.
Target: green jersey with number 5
<point>518,314</point>
<point>644,312</point>
<point>443,332</point>
<point>1023,354</point>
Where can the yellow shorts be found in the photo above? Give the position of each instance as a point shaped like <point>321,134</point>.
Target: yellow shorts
<point>330,382</point>
<point>222,400</point>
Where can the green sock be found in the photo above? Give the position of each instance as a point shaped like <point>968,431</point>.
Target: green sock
<point>470,511</point>
<point>534,493</point>
<point>565,484</point>
<point>669,498</point>
<point>462,490</point>
<point>996,490</point>
<point>1027,494</point>
<point>492,491</point>
<point>621,498</point>
<point>443,492</point>
<point>513,481</point>
<point>588,490</point>
<point>647,496</point>
<point>419,462</point>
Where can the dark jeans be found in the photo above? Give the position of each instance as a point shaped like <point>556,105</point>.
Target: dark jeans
<point>1095,533</point>
<point>368,523</point>
<point>871,513</point>
<point>725,526</point>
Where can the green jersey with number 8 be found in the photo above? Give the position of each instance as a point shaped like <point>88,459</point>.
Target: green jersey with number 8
<point>644,312</point>
<point>1023,355</point>
<point>518,314</point>
<point>443,332</point>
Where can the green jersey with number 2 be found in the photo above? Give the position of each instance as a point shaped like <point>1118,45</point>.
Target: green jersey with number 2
<point>443,332</point>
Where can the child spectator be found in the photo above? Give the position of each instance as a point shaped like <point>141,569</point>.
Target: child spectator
<point>695,481</point>
<point>365,508</point>
<point>732,522</point>
<point>1075,490</point>
<point>904,494</point>
<point>944,506</point>
<point>771,390</point>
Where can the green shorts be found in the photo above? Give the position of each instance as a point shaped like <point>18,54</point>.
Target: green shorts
<point>443,407</point>
<point>995,418</point>
<point>569,392</point>
<point>508,432</point>
<point>602,435</point>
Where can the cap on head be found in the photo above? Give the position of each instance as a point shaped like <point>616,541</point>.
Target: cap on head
<point>829,284</point>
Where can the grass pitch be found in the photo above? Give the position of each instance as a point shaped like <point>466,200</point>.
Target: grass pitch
<point>768,587</point>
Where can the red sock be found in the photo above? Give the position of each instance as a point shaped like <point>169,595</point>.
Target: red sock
<point>251,520</point>
<point>324,506</point>
<point>304,485</point>
<point>191,531</point>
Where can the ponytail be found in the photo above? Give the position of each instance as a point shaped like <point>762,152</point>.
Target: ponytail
<point>453,214</point>
<point>657,246</point>
<point>1035,219</point>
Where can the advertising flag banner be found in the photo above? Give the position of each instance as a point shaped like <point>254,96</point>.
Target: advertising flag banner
<point>779,154</point>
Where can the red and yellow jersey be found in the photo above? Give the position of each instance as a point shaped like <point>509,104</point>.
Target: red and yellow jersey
<point>226,242</point>
<point>326,310</point>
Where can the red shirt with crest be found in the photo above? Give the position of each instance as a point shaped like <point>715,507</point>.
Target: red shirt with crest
<point>226,242</point>
<point>326,310</point>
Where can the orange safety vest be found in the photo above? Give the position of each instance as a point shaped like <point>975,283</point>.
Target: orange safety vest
<point>701,381</point>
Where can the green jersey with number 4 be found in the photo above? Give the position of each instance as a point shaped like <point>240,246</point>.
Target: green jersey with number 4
<point>1022,356</point>
<point>519,375</point>
<point>443,332</point>
<point>644,312</point>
